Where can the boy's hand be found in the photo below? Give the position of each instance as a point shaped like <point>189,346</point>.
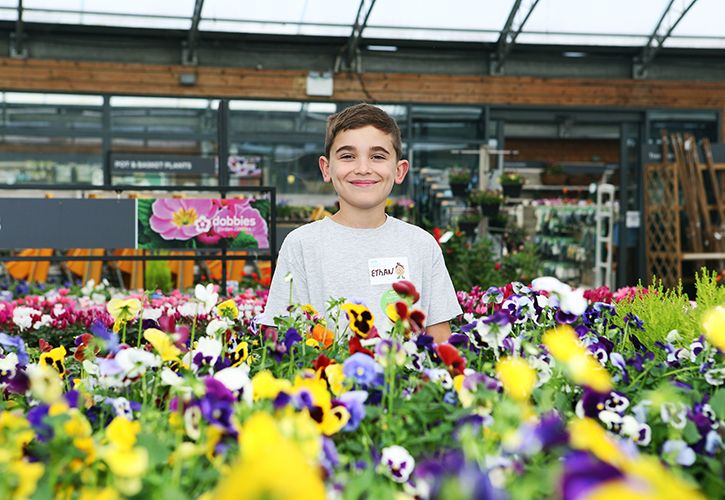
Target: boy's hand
<point>440,332</point>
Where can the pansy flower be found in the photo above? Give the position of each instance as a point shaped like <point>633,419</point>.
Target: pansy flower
<point>451,358</point>
<point>322,336</point>
<point>363,370</point>
<point>397,463</point>
<point>362,321</point>
<point>54,359</point>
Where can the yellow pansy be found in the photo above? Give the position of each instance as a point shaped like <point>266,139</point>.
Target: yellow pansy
<point>619,489</point>
<point>266,386</point>
<point>96,494</point>
<point>303,431</point>
<point>15,433</point>
<point>77,426</point>
<point>360,318</point>
<point>517,377</point>
<point>228,309</point>
<point>45,383</point>
<point>27,474</point>
<point>240,354</point>
<point>127,463</point>
<point>122,432</point>
<point>586,434</point>
<point>465,396</point>
<point>336,378</point>
<point>564,345</point>
<point>163,344</point>
<point>54,359</point>
<point>334,419</point>
<point>714,325</point>
<point>123,309</point>
<point>264,452</point>
<point>662,481</point>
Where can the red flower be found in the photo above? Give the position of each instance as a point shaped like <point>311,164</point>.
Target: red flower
<point>44,346</point>
<point>322,362</point>
<point>81,343</point>
<point>356,346</point>
<point>451,358</point>
<point>497,266</point>
<point>406,289</point>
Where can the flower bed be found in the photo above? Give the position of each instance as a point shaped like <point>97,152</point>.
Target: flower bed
<point>541,392</point>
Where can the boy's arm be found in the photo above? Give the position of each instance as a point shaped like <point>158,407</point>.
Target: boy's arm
<point>440,332</point>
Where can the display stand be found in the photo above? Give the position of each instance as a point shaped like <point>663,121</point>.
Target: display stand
<point>604,250</point>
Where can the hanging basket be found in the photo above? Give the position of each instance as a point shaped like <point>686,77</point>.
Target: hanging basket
<point>490,209</point>
<point>512,190</point>
<point>468,227</point>
<point>459,189</point>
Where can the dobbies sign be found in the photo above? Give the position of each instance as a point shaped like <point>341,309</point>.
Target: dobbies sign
<point>129,163</point>
<point>203,223</point>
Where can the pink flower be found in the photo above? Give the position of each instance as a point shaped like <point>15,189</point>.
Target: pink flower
<point>181,219</point>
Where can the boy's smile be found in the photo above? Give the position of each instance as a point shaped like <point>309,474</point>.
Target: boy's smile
<point>363,168</point>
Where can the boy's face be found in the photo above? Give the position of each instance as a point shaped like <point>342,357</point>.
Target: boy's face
<point>363,167</point>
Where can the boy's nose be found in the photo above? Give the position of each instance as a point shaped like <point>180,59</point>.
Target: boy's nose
<point>362,166</point>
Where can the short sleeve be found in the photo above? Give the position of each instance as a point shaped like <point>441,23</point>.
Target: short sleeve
<point>289,262</point>
<point>443,305</point>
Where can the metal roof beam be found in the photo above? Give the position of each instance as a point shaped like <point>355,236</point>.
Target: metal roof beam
<point>669,20</point>
<point>350,57</point>
<point>520,13</point>
<point>188,51</point>
<point>18,50</point>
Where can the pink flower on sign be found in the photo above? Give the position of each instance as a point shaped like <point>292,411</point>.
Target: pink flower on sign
<point>237,216</point>
<point>181,219</point>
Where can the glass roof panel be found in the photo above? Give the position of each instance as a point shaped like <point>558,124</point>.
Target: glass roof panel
<point>592,22</point>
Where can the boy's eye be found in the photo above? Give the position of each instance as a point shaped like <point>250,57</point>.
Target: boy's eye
<point>346,156</point>
<point>378,157</point>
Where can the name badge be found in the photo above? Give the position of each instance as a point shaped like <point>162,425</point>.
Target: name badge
<point>384,271</point>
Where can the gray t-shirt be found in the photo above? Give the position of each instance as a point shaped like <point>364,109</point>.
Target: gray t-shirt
<point>329,260</point>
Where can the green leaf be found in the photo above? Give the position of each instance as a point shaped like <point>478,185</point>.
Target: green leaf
<point>718,403</point>
<point>244,240</point>
<point>690,433</point>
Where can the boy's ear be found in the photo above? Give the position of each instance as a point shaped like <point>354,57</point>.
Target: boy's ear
<point>325,169</point>
<point>401,170</point>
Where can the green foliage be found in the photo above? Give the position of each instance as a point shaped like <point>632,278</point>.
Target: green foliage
<point>474,264</point>
<point>510,178</point>
<point>661,310</point>
<point>665,310</point>
<point>243,240</point>
<point>459,175</point>
<point>485,197</point>
<point>158,276</point>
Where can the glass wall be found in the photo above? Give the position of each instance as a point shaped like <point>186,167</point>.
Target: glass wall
<point>50,139</point>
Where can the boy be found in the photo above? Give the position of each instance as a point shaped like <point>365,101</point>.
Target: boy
<point>360,251</point>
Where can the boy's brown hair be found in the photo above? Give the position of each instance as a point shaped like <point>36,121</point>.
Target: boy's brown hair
<point>359,116</point>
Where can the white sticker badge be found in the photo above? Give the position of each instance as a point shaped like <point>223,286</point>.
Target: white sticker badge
<point>383,271</point>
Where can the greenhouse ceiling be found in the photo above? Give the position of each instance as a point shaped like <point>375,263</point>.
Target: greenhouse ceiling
<point>665,23</point>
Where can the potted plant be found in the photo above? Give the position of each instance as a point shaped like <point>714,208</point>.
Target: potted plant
<point>489,201</point>
<point>458,179</point>
<point>511,184</point>
<point>553,175</point>
<point>498,222</point>
<point>468,221</point>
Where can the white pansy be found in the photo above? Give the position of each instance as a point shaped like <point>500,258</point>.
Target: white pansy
<point>236,379</point>
<point>397,463</point>
<point>134,362</point>
<point>715,376</point>
<point>636,431</point>
<point>673,336</point>
<point>8,364</point>
<point>189,309</point>
<point>152,313</point>
<point>677,451</point>
<point>570,301</point>
<point>206,296</point>
<point>674,414</point>
<point>217,327</point>
<point>209,347</point>
<point>45,384</point>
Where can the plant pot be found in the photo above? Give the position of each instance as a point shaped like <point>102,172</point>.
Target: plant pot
<point>468,227</point>
<point>580,179</point>
<point>490,209</point>
<point>497,222</point>
<point>459,189</point>
<point>553,179</point>
<point>512,190</point>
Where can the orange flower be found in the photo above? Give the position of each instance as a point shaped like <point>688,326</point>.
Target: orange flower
<point>322,335</point>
